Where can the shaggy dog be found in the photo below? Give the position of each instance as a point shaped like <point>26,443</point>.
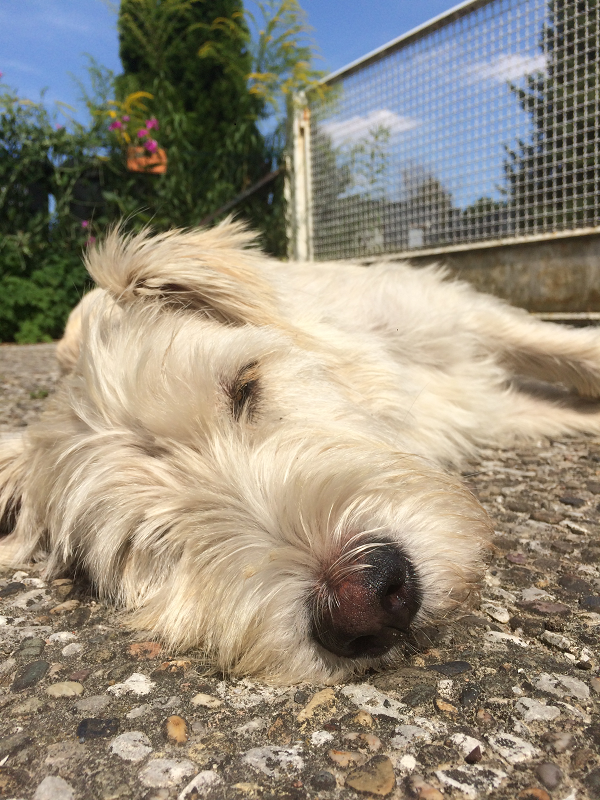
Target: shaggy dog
<point>252,456</point>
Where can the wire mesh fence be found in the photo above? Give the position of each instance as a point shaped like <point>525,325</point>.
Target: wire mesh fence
<point>482,125</point>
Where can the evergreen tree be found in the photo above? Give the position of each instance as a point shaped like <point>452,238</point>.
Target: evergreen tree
<point>554,181</point>
<point>208,118</point>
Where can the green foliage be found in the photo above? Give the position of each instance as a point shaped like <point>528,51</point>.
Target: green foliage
<point>193,67</point>
<point>351,203</point>
<point>34,306</point>
<point>41,274</point>
<point>129,116</point>
<point>281,55</point>
<point>214,83</point>
<point>486,218</point>
<point>208,118</point>
<point>554,179</point>
<point>369,160</point>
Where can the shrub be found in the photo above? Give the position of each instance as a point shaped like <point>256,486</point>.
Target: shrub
<point>42,167</point>
<point>202,88</point>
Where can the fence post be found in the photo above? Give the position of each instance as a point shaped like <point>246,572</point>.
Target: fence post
<point>298,190</point>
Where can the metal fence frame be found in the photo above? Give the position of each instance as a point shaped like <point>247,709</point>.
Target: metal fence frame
<point>299,184</point>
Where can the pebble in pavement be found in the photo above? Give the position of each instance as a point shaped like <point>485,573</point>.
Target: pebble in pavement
<point>502,704</point>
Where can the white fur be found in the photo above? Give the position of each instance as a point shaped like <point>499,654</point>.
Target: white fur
<point>216,527</point>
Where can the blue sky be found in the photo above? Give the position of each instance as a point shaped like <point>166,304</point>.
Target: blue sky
<point>448,104</point>
<point>44,42</point>
<point>447,122</point>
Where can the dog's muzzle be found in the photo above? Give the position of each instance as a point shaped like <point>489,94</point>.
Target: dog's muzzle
<point>371,609</point>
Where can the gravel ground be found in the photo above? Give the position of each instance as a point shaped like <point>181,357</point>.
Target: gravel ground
<point>502,704</point>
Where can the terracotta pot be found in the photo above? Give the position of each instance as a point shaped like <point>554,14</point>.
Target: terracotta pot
<point>140,160</point>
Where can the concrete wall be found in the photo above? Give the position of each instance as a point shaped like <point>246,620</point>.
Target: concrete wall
<point>556,275</point>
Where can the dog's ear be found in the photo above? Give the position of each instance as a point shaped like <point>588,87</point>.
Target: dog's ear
<point>215,270</point>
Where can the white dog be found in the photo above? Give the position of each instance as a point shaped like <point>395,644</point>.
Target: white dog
<point>251,455</point>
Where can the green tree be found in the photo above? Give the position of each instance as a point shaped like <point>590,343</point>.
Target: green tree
<point>221,79</point>
<point>197,68</point>
<point>554,180</point>
<point>282,55</point>
<point>42,167</point>
<point>486,218</point>
<point>208,117</point>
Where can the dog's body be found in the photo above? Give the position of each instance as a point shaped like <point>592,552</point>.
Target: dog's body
<point>251,456</point>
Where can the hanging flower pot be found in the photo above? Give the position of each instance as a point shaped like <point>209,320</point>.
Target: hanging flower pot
<point>139,159</point>
<point>129,127</point>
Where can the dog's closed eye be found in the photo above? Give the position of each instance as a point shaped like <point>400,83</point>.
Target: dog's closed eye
<point>244,392</point>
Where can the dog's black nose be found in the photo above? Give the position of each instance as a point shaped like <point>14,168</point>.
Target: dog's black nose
<point>368,611</point>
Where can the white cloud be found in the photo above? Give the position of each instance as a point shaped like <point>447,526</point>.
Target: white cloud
<point>508,67</point>
<point>21,66</point>
<point>65,22</point>
<point>358,127</point>
<point>39,18</point>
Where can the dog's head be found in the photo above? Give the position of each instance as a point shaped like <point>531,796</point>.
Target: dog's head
<point>223,469</point>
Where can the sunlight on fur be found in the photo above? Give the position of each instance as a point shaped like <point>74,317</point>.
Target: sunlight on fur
<point>256,458</point>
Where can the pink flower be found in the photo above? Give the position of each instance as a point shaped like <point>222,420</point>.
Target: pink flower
<point>142,132</point>
<point>59,127</point>
<point>90,240</point>
<point>151,145</point>
<point>152,123</point>
<point>126,118</point>
<point>115,124</point>
<point>85,223</point>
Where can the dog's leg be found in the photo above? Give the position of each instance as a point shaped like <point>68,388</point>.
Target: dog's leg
<point>532,412</point>
<point>15,546</point>
<point>541,350</point>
